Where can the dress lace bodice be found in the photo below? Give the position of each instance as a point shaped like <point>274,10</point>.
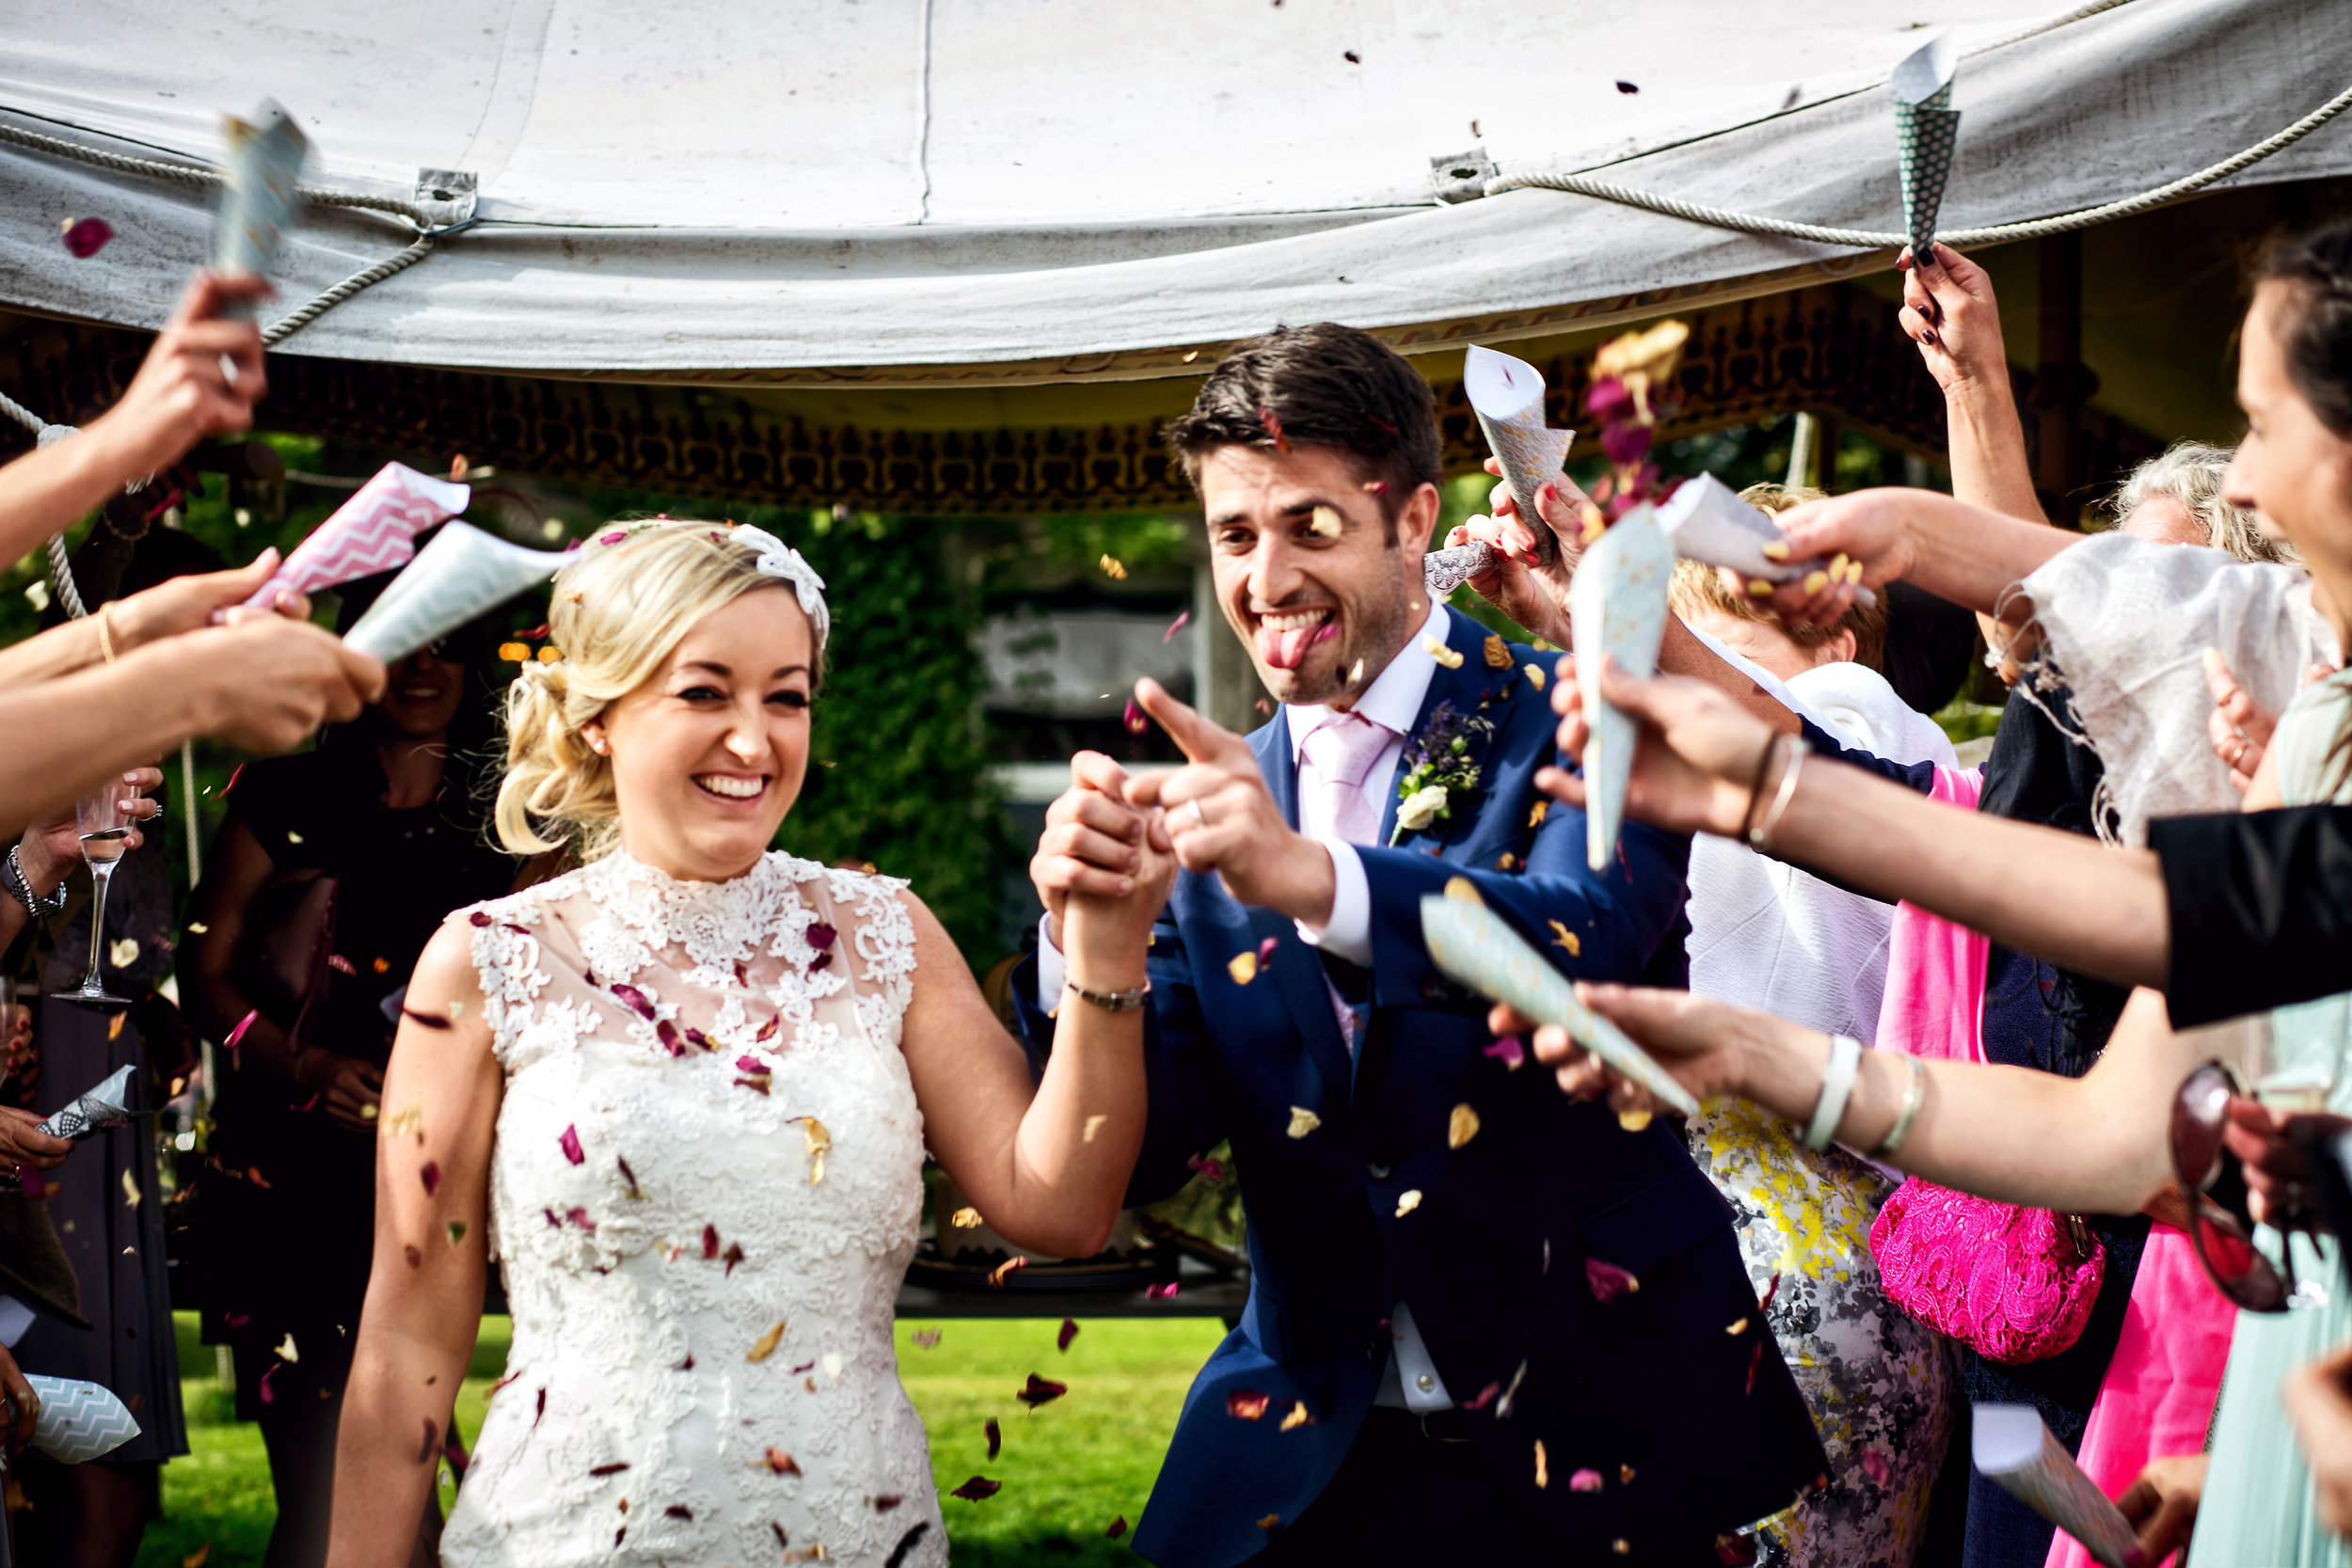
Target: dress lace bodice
<point>705,1189</point>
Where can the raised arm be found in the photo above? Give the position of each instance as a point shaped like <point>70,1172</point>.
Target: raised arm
<point>1045,1161</point>
<point>425,1287</point>
<point>1950,312</point>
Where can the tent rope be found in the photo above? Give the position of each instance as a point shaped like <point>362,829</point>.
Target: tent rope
<point>197,177</point>
<point>1869,239</point>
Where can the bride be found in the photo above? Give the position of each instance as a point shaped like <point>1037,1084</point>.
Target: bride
<point>683,1094</point>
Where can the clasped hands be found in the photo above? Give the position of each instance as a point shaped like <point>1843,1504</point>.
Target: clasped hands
<point>1107,833</point>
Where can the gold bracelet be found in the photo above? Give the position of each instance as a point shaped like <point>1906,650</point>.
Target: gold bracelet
<point>105,635</point>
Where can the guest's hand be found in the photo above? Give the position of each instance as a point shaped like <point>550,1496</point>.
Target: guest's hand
<point>1093,844</point>
<point>50,851</point>
<point>2277,1173</point>
<point>2319,1399</point>
<point>23,1143</point>
<point>1703,1043</point>
<point>1534,596</point>
<point>24,1403</point>
<point>349,1089</point>
<point>2239,726</point>
<point>1872,527</point>
<point>1695,758</point>
<point>1950,312</point>
<point>181,393</point>
<point>200,599</point>
<point>2162,1505</point>
<point>1221,817</point>
<point>264,683</point>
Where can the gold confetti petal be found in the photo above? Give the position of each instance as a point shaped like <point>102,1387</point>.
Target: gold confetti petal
<point>1303,1121</point>
<point>1498,653</point>
<point>1625,1474</point>
<point>198,928</point>
<point>1634,1121</point>
<point>818,1141</point>
<point>1543,1468</point>
<point>286,1351</point>
<point>767,1345</point>
<point>130,1190</point>
<point>1536,814</point>
<point>1327,523</point>
<point>1461,1127</point>
<point>1242,967</point>
<point>1297,1417</point>
<point>965,1219</point>
<point>124,953</point>
<point>1562,937</point>
<point>1534,673</point>
<point>1464,889</point>
<point>1408,1201</point>
<point>1737,1328</point>
<point>1094,1125</point>
<point>1113,568</point>
<point>1442,654</point>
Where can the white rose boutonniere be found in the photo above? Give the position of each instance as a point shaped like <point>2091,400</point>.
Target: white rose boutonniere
<point>1420,808</point>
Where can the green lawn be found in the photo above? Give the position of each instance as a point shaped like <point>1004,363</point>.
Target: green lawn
<point>1067,1469</point>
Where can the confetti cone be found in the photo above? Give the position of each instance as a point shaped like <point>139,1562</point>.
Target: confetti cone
<point>1927,132</point>
<point>79,1421</point>
<point>1474,946</point>
<point>259,193</point>
<point>1443,571</point>
<point>374,532</point>
<point>2016,1452</point>
<point>1617,606</point>
<point>1706,521</point>
<point>106,1105</point>
<point>1508,396</point>
<point>454,579</point>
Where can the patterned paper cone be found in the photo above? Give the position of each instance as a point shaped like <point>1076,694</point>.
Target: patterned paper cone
<point>1927,132</point>
<point>78,1421</point>
<point>454,579</point>
<point>1706,521</point>
<point>259,192</point>
<point>1474,946</point>
<point>2016,1450</point>
<point>1443,571</point>
<point>374,532</point>
<point>108,1105</point>
<point>1616,605</point>
<point>1507,394</point>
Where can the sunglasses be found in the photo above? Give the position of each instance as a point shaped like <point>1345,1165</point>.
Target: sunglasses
<point>2220,1219</point>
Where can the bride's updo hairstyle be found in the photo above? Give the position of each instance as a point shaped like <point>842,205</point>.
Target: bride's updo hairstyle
<point>619,610</point>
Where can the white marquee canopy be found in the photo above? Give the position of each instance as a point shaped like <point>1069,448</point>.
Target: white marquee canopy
<point>1000,192</point>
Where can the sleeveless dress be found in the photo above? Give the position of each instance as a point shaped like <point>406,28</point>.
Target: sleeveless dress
<point>2259,1507</point>
<point>705,1188</point>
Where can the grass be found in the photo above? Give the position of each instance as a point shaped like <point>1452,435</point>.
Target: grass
<point>1069,1469</point>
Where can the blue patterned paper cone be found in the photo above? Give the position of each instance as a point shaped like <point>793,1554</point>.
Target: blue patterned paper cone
<point>260,191</point>
<point>1926,134</point>
<point>1616,605</point>
<point>79,1421</point>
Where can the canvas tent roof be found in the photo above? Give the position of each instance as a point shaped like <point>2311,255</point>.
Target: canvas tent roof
<point>978,193</point>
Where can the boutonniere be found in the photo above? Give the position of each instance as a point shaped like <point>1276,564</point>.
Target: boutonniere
<point>1437,765</point>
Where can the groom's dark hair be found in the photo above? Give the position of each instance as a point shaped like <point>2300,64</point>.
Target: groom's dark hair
<point>1319,385</point>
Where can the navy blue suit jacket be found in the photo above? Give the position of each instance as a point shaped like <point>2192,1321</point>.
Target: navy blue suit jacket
<point>1492,1257</point>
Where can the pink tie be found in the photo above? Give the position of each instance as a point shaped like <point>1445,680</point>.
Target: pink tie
<point>1335,757</point>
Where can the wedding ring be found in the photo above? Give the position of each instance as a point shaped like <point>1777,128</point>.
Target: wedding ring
<point>1199,817</point>
<point>229,369</point>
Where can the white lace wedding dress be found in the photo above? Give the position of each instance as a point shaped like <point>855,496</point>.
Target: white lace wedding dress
<point>705,1188</point>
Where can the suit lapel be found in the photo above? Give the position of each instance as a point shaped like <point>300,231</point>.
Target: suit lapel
<point>1298,968</point>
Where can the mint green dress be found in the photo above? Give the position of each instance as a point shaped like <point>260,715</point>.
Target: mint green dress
<point>2259,1511</point>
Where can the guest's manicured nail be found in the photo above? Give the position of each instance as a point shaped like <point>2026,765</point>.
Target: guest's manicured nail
<point>1777,550</point>
<point>1816,581</point>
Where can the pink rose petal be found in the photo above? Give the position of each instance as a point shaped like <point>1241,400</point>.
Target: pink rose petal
<point>569,1144</point>
<point>85,237</point>
<point>1510,1051</point>
<point>1608,1282</point>
<point>1585,1481</point>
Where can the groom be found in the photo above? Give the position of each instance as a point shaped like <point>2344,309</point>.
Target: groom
<point>1486,1323</point>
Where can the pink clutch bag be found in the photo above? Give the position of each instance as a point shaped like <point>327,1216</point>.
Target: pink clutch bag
<point>2011,1284</point>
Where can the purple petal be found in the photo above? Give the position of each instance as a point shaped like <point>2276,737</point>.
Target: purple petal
<point>569,1144</point>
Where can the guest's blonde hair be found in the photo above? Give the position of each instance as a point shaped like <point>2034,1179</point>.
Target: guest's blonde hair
<point>2191,473</point>
<point>620,610</point>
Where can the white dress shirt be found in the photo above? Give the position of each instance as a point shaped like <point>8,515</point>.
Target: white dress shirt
<point>1393,702</point>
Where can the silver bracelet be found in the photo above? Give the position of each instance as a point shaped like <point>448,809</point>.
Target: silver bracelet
<point>20,887</point>
<point>1915,1096</point>
<point>1760,836</point>
<point>1845,1061</point>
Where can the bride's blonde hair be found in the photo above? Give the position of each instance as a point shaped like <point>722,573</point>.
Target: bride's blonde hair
<point>620,609</point>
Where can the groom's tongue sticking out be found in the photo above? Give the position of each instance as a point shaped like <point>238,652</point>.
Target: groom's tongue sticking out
<point>1320,503</point>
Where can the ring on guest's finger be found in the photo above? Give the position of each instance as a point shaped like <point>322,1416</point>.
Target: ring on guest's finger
<point>1199,817</point>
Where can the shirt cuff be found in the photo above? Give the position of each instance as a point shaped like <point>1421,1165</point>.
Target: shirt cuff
<point>1348,933</point>
<point>1049,966</point>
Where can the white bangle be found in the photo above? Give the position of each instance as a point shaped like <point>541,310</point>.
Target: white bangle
<point>1845,1062</point>
<point>1915,1096</point>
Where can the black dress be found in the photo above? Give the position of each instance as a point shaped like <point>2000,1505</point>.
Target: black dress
<point>296,1223</point>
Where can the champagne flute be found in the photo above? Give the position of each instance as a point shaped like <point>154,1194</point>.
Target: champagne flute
<point>103,817</point>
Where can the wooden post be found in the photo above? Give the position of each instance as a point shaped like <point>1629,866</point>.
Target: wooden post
<point>2062,384</point>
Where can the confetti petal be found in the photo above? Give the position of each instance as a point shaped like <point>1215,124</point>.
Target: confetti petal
<point>1133,719</point>
<point>1483,1398</point>
<point>1739,1326</point>
<point>1543,1468</point>
<point>1040,1390</point>
<point>1607,1281</point>
<point>1273,427</point>
<point>1094,1125</point>
<point>996,1435</point>
<point>1510,1051</point>
<point>733,1255</point>
<point>1586,1480</point>
<point>926,1337</point>
<point>1327,523</point>
<point>569,1143</point>
<point>629,996</point>
<point>124,952</point>
<point>1006,1270</point>
<point>85,237</point>
<point>819,935</point>
<point>1498,653</point>
<point>1299,1417</point>
<point>1212,1170</point>
<point>1634,1120</point>
<point>431,1177</point>
<point>1537,812</point>
<point>818,1141</point>
<point>1874,1464</point>
<point>1242,967</point>
<point>1765,1302</point>
<point>1069,1332</point>
<point>1271,1523</point>
<point>1625,1475</point>
<point>1756,1359</point>
<point>1442,654</point>
<point>1408,1201</point>
<point>1303,1121</point>
<point>628,1175</point>
<point>130,1190</point>
<point>1118,1527</point>
<point>965,1219</point>
<point>766,1346</point>
<point>977,1488</point>
<point>1465,890</point>
<point>1184,618</point>
<point>1534,673</point>
<point>1113,567</point>
<point>1562,937</point>
<point>1160,1292</point>
<point>1246,1404</point>
<point>286,1351</point>
<point>1461,1127</point>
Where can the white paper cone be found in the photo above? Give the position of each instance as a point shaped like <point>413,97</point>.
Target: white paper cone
<point>2016,1450</point>
<point>1507,394</point>
<point>1474,946</point>
<point>1443,571</point>
<point>462,573</point>
<point>108,1104</point>
<point>375,530</point>
<point>1706,521</point>
<point>1617,606</point>
<point>79,1421</point>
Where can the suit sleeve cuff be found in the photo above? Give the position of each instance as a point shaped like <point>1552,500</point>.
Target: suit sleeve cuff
<point>1049,965</point>
<point>1348,933</point>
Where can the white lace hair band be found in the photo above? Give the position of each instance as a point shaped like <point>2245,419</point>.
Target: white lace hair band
<point>780,560</point>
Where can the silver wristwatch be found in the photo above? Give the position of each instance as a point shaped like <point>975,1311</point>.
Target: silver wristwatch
<point>20,887</point>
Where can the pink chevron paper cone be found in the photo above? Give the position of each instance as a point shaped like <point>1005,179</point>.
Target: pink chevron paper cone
<point>375,530</point>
